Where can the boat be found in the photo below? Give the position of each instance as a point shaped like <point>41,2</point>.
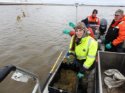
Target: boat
<point>114,61</point>
<point>22,75</point>
<point>53,79</point>
<point>64,80</point>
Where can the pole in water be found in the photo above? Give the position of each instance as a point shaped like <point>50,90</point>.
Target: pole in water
<point>76,5</point>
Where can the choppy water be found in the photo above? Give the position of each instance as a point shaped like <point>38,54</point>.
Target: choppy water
<point>31,37</point>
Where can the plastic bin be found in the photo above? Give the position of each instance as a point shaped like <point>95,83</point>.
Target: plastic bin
<point>110,60</point>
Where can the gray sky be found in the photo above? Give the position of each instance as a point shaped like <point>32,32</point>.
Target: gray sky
<point>97,2</point>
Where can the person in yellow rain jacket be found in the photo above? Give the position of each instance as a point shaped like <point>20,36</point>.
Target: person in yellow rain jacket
<point>84,48</point>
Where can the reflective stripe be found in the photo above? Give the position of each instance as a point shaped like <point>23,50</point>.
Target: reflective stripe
<point>85,66</point>
<point>121,22</point>
<point>89,42</point>
<point>72,52</point>
<point>81,57</point>
<point>116,27</point>
<point>91,56</point>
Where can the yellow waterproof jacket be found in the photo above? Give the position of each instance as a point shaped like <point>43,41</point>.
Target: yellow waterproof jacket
<point>87,50</point>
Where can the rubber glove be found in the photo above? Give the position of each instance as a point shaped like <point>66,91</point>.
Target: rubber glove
<point>72,25</point>
<point>108,46</point>
<point>66,31</point>
<point>80,75</point>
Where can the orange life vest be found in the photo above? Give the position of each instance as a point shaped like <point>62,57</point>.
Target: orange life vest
<point>93,20</point>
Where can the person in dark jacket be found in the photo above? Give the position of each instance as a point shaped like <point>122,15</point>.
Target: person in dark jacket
<point>115,35</point>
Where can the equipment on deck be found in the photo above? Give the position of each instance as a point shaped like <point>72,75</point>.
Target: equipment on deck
<point>20,75</point>
<point>106,61</point>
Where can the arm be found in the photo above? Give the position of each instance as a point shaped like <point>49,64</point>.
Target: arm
<point>89,60</point>
<point>91,54</point>
<point>72,45</point>
<point>85,21</point>
<point>121,35</point>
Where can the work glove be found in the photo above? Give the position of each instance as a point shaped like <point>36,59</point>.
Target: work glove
<point>69,60</point>
<point>82,69</point>
<point>108,46</point>
<point>66,31</point>
<point>80,75</point>
<point>81,72</point>
<point>72,25</point>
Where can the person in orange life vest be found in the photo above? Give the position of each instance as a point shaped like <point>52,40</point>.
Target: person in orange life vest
<point>115,35</point>
<point>92,21</point>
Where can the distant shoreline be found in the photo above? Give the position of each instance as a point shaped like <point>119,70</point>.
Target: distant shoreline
<point>52,4</point>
